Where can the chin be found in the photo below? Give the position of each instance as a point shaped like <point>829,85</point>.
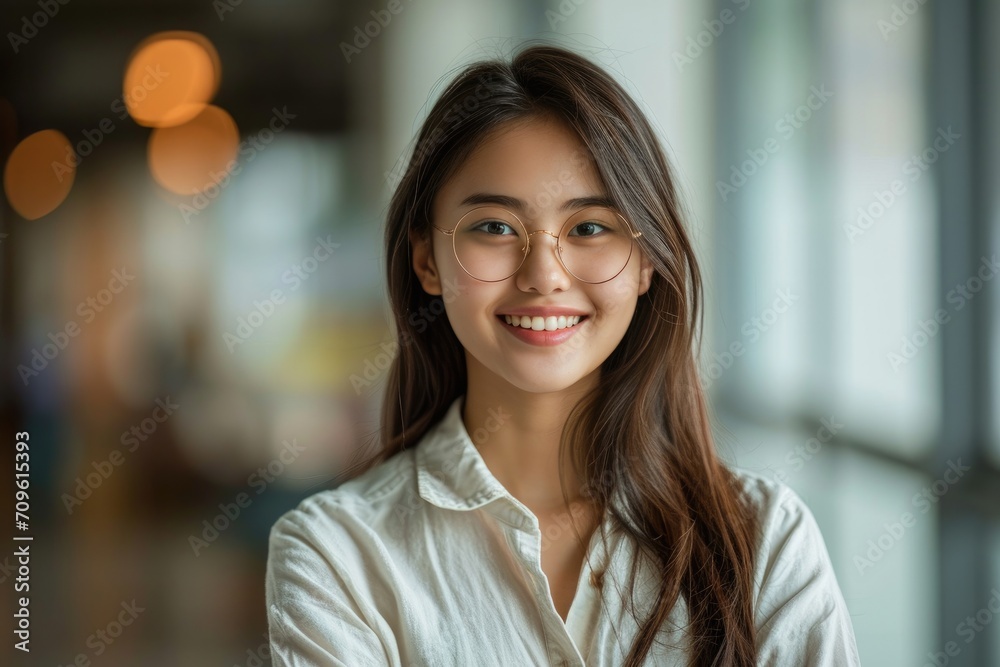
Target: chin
<point>539,380</point>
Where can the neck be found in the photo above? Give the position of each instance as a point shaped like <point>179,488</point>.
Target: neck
<point>517,433</point>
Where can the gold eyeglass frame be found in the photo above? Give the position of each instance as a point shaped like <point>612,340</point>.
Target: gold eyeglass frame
<point>527,248</point>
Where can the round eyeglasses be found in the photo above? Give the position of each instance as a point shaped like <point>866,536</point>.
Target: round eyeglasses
<point>491,243</point>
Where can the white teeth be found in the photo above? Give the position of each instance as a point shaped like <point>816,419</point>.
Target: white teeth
<point>551,323</point>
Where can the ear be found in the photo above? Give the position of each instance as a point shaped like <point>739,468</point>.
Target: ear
<point>645,274</point>
<point>424,264</point>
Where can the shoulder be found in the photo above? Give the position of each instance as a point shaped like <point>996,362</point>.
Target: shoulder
<point>778,507</point>
<point>321,609</point>
<point>355,508</point>
<point>764,492</point>
<point>789,534</point>
<point>799,608</point>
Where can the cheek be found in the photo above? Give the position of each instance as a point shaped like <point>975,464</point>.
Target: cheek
<point>444,258</point>
<point>456,284</point>
<point>470,309</point>
<point>615,308</point>
<point>618,300</point>
<point>618,313</point>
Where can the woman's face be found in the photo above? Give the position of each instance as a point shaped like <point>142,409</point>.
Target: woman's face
<point>542,163</point>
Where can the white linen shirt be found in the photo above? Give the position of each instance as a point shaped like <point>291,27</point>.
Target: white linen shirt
<point>427,560</point>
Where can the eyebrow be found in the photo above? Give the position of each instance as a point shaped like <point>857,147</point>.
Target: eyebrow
<point>518,205</point>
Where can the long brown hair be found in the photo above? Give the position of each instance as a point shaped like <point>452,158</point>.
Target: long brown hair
<point>642,434</point>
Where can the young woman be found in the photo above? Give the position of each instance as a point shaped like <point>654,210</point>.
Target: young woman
<point>547,492</point>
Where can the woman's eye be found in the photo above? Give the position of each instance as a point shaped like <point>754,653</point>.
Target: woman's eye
<point>588,229</point>
<point>494,227</point>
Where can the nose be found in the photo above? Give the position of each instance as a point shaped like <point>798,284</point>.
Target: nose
<point>542,270</point>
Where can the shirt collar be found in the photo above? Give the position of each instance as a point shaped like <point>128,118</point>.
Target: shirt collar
<point>451,472</point>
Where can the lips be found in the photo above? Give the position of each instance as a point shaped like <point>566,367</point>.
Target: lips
<point>538,323</point>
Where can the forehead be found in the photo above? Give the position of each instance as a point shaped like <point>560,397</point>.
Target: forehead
<point>539,160</point>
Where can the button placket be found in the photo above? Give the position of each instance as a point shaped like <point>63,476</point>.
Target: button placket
<point>528,559</point>
<point>555,627</point>
<point>525,542</point>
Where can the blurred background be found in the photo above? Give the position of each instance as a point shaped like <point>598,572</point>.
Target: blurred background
<point>193,319</point>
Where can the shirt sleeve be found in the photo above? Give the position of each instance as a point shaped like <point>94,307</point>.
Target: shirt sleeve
<point>316,618</point>
<point>801,615</point>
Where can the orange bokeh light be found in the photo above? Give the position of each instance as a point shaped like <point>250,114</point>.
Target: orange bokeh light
<point>189,158</point>
<point>39,173</point>
<point>170,78</point>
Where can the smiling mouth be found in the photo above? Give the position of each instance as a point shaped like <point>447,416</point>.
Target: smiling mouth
<point>542,323</point>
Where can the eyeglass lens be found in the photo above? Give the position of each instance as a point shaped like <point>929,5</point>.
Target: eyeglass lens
<point>490,243</point>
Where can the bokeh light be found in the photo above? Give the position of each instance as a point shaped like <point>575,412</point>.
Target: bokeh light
<point>192,158</point>
<point>40,173</point>
<point>170,78</point>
